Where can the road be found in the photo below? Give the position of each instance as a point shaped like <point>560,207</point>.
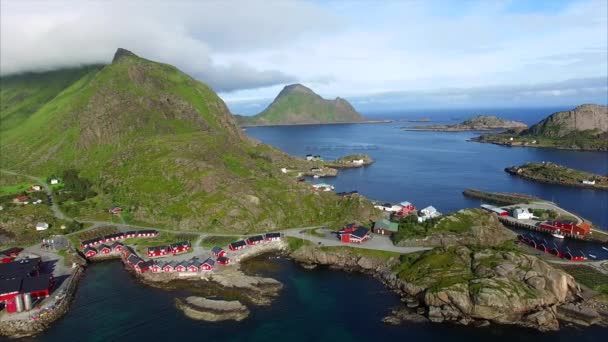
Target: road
<point>547,206</point>
<point>376,243</point>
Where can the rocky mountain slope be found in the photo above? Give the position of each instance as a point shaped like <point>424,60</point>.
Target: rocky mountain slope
<point>165,148</point>
<point>587,117</point>
<point>478,123</point>
<point>297,104</point>
<point>582,128</point>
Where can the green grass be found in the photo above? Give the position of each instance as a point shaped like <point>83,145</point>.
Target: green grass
<point>295,243</point>
<point>588,276</point>
<point>220,241</point>
<point>373,253</point>
<point>14,189</point>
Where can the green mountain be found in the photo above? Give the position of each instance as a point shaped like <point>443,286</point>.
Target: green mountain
<point>582,128</point>
<point>160,144</point>
<point>297,104</point>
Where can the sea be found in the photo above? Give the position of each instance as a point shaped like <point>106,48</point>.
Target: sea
<point>425,168</point>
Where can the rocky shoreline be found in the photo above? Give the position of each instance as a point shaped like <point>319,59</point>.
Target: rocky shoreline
<point>30,327</point>
<point>560,303</point>
<point>515,171</point>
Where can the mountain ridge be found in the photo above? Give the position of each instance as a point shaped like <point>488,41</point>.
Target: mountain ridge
<point>165,148</point>
<point>298,104</point>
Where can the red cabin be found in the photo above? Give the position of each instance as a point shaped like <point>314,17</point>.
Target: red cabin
<point>156,268</point>
<point>255,240</point>
<point>168,268</point>
<point>223,261</point>
<point>12,252</point>
<point>237,245</point>
<point>180,247</point>
<point>207,265</point>
<point>117,246</point>
<point>103,249</point>
<point>218,252</point>
<point>359,235</point>
<point>90,252</point>
<point>180,267</point>
<point>272,236</point>
<point>159,251</point>
<point>192,268</point>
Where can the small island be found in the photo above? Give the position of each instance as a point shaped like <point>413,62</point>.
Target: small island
<point>212,310</point>
<point>547,172</point>
<point>478,123</point>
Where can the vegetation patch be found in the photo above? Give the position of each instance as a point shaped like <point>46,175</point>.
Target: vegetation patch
<point>588,276</point>
<point>220,241</point>
<point>295,243</point>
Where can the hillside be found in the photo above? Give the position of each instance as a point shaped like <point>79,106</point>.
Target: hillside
<point>165,148</point>
<point>477,123</point>
<point>582,128</point>
<point>297,104</point>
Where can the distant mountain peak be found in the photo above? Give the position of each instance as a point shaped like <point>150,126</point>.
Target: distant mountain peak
<point>121,53</point>
<point>296,88</point>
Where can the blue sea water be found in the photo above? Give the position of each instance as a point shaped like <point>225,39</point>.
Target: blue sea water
<point>324,305</point>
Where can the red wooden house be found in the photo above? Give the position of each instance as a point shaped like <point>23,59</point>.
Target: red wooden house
<point>169,267</point>
<point>90,252</point>
<point>156,268</point>
<point>180,267</point>
<point>192,268</point>
<point>144,266</point>
<point>5,258</point>
<point>104,249</point>
<point>117,246</point>
<point>218,252</point>
<point>207,265</point>
<point>130,234</point>
<point>255,240</point>
<point>158,251</point>
<point>237,245</point>
<point>147,233</point>
<point>223,261</point>
<point>180,247</point>
<point>133,260</point>
<point>12,252</point>
<point>272,236</point>
<point>359,235</point>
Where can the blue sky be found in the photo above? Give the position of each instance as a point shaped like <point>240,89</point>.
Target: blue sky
<point>400,54</point>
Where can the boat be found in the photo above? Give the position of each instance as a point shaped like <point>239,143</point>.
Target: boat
<point>605,248</point>
<point>592,256</point>
<point>315,176</point>
<point>557,235</point>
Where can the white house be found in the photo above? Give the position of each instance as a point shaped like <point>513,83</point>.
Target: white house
<point>389,207</point>
<point>309,157</point>
<point>358,161</point>
<point>427,213</point>
<point>511,139</point>
<point>522,214</point>
<point>284,170</point>
<point>323,187</point>
<point>54,181</point>
<point>589,182</point>
<point>42,226</point>
<point>36,201</point>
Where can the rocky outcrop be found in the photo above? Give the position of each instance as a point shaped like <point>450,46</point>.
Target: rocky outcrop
<point>465,286</point>
<point>212,310</point>
<point>478,123</point>
<point>587,117</point>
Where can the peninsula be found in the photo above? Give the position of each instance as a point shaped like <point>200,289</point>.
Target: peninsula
<point>478,123</point>
<point>582,128</point>
<point>547,172</point>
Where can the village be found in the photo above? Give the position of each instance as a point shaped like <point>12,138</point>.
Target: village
<point>36,283</point>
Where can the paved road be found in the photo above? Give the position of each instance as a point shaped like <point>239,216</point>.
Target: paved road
<point>377,242</point>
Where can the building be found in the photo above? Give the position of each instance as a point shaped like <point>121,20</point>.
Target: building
<point>223,261</point>
<point>309,157</point>
<point>12,252</point>
<point>428,213</point>
<point>237,245</point>
<point>284,170</point>
<point>208,264</point>
<point>496,210</point>
<point>566,228</point>
<point>169,267</point>
<point>255,240</point>
<point>117,246</point>
<point>21,200</point>
<point>42,226</point>
<point>192,267</point>
<point>133,260</point>
<point>158,251</point>
<point>385,227</point>
<point>156,267</point>
<point>218,252</point>
<point>147,233</point>
<point>144,266</point>
<point>272,236</point>
<point>17,293</point>
<point>104,249</point>
<point>359,235</point>
<point>35,187</point>
<point>180,267</point>
<point>54,181</point>
<point>179,247</point>
<point>588,182</point>
<point>115,210</point>
<point>522,214</point>
<point>407,208</point>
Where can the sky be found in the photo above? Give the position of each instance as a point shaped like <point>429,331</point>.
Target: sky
<point>387,55</point>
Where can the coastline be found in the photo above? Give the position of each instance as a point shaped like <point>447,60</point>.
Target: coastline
<point>512,172</point>
<point>318,123</point>
<point>506,144</point>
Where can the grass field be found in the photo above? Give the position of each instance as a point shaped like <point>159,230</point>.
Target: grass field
<point>588,276</point>
<point>220,241</point>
